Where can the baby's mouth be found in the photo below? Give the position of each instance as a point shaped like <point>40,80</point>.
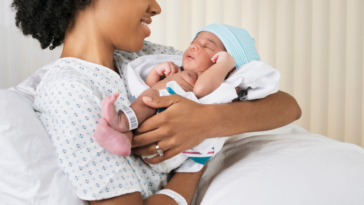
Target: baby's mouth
<point>190,57</point>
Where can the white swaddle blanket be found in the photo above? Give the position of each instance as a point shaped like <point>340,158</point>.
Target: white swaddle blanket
<point>258,78</point>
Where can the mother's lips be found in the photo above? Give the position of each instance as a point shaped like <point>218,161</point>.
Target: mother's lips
<point>146,20</point>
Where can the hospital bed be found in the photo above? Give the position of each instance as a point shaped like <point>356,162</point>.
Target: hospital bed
<point>285,166</point>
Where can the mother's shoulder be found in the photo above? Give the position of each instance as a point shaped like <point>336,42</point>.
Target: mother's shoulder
<point>68,74</point>
<point>63,70</point>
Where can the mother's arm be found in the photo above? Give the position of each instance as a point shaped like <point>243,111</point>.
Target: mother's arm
<point>183,183</point>
<point>185,124</point>
<point>272,112</point>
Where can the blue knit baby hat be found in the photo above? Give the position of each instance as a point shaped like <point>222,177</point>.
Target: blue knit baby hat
<point>237,42</point>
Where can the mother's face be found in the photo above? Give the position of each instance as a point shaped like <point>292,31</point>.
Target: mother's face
<point>123,22</point>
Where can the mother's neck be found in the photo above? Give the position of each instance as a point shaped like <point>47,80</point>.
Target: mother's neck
<point>85,41</point>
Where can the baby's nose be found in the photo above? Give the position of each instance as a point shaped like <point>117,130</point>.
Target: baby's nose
<point>194,47</point>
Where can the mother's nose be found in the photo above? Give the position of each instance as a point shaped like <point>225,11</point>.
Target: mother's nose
<point>154,8</point>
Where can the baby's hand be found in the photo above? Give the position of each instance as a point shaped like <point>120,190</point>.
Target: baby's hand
<point>167,69</point>
<point>184,82</point>
<point>225,58</point>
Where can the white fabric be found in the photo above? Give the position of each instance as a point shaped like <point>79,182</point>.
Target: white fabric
<point>284,166</point>
<point>68,103</point>
<point>28,86</point>
<point>29,170</point>
<point>205,146</point>
<point>174,195</point>
<point>261,80</point>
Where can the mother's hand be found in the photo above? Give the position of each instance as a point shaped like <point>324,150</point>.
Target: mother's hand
<point>184,125</point>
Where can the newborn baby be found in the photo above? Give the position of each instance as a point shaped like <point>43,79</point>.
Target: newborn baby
<point>214,53</point>
<point>206,64</point>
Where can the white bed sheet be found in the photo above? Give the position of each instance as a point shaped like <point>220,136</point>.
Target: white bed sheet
<point>285,166</point>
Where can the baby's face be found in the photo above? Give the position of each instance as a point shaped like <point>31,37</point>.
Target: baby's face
<point>198,56</point>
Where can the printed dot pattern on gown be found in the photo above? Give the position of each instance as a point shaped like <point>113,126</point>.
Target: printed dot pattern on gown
<point>68,104</point>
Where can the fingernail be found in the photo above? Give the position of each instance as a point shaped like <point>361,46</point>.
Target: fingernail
<point>146,98</point>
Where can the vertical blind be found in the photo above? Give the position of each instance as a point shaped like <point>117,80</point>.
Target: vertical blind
<point>317,45</point>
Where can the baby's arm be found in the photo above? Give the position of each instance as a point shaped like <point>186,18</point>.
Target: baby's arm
<point>113,131</point>
<point>163,69</point>
<point>120,122</point>
<point>213,77</point>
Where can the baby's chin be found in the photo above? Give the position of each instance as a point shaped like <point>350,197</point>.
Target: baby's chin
<point>186,65</point>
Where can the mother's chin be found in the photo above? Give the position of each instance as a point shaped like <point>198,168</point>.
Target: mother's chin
<point>135,42</point>
<point>133,45</point>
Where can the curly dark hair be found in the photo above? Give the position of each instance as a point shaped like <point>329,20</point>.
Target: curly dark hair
<point>47,20</point>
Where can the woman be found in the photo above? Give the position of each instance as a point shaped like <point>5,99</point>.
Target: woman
<point>68,101</point>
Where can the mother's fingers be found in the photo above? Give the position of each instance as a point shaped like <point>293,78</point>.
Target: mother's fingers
<point>160,119</point>
<point>149,125</point>
<point>166,155</point>
<point>147,138</point>
<point>145,150</point>
<point>162,102</point>
<point>152,148</point>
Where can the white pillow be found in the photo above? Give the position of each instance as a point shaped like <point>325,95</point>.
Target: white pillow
<point>286,166</point>
<point>29,168</point>
<point>28,87</point>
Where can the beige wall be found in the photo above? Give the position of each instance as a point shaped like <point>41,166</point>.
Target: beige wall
<point>317,45</point>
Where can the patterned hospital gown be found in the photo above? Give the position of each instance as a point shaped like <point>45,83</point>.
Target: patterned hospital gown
<point>68,104</point>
